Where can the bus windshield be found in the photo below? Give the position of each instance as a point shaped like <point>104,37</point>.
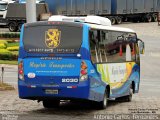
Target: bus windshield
<point>48,39</point>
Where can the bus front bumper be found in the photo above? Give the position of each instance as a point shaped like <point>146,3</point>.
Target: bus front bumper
<point>40,92</point>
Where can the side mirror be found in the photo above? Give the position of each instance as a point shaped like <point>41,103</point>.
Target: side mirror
<point>141,46</point>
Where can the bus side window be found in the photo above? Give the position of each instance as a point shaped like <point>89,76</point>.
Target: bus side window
<point>115,47</point>
<point>94,46</point>
<point>133,47</point>
<point>102,45</point>
<point>133,51</point>
<point>137,53</point>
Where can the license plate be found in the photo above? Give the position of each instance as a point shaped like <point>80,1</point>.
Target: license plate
<point>53,92</point>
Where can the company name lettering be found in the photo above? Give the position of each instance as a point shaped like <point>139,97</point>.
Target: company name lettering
<point>37,65</point>
<point>119,70</point>
<point>51,65</point>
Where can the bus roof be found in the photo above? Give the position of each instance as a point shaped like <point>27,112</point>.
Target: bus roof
<point>112,28</point>
<point>88,19</point>
<point>92,26</point>
<point>95,22</point>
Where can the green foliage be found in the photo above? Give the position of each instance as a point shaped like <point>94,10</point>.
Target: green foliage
<point>9,50</point>
<point>10,35</point>
<point>3,46</point>
<point>10,41</point>
<point>4,42</point>
<point>8,55</point>
<point>15,53</point>
<point>4,51</point>
<point>13,44</point>
<point>5,54</point>
<point>10,62</point>
<point>14,48</point>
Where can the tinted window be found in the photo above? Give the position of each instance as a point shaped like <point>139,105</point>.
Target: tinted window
<point>94,46</point>
<point>119,46</point>
<point>52,39</point>
<point>112,46</point>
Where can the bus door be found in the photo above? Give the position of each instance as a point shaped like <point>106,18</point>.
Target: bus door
<point>97,87</point>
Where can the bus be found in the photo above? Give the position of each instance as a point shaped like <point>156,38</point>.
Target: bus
<point>86,58</point>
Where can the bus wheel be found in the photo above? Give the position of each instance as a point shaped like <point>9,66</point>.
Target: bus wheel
<point>129,97</point>
<point>154,18</point>
<point>51,103</point>
<point>118,20</point>
<point>148,18</point>
<point>113,20</point>
<point>103,104</point>
<point>135,20</point>
<point>12,27</point>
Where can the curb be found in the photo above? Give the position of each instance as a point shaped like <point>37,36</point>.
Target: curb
<point>8,66</point>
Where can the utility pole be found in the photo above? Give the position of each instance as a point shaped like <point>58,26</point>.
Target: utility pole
<point>31,11</point>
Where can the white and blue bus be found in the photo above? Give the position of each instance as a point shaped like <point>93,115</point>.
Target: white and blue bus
<point>71,59</point>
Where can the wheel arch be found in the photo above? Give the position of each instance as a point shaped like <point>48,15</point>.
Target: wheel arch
<point>108,90</point>
<point>133,86</point>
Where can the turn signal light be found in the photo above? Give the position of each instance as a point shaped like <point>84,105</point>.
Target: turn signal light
<point>20,70</point>
<point>84,72</point>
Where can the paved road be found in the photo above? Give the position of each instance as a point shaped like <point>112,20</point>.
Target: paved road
<point>10,74</point>
<point>148,100</point>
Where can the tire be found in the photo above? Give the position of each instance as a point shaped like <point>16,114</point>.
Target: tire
<point>129,97</point>
<point>148,18</point>
<point>20,26</point>
<point>103,104</point>
<point>142,19</point>
<point>119,20</point>
<point>135,20</point>
<point>12,27</point>
<point>125,19</point>
<point>51,103</point>
<point>154,18</point>
<point>113,20</point>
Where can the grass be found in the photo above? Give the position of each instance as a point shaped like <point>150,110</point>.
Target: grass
<point>9,62</point>
<point>4,86</point>
<point>13,44</point>
<point>15,52</point>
